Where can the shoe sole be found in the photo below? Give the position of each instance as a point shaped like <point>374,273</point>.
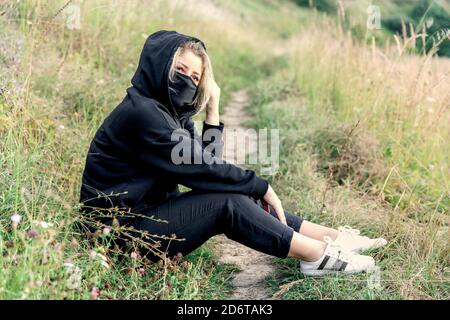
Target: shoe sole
<point>319,273</point>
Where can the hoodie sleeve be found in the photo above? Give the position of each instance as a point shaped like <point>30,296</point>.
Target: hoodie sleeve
<point>173,152</point>
<point>211,138</point>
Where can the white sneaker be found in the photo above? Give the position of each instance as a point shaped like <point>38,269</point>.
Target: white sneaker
<point>351,240</point>
<point>337,260</point>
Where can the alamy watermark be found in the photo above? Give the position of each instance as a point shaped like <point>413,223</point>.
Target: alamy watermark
<point>237,146</point>
<point>374,278</point>
<point>72,14</point>
<point>373,17</point>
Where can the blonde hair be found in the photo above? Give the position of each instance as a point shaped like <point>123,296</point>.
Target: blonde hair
<point>205,84</point>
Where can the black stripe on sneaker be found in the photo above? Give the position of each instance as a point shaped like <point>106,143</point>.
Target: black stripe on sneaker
<point>342,268</point>
<point>324,262</point>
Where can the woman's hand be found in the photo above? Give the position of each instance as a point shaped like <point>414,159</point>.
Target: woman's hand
<point>212,107</point>
<point>271,199</point>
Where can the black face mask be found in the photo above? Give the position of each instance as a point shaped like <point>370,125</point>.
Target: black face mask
<point>182,91</point>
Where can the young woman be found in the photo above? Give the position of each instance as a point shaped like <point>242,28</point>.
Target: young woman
<point>130,166</point>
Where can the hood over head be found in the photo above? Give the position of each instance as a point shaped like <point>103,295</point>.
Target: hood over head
<point>151,78</point>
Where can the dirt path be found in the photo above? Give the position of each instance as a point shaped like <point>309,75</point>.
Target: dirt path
<point>255,266</point>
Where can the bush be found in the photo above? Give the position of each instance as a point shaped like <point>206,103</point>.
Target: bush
<point>328,6</point>
<point>439,21</point>
<point>347,154</point>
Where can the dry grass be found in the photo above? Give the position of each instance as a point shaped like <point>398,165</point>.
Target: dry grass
<point>66,81</point>
<point>401,100</point>
<point>60,83</point>
<point>360,112</point>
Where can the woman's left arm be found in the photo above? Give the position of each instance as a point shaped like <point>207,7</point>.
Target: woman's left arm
<point>212,107</point>
<point>211,138</point>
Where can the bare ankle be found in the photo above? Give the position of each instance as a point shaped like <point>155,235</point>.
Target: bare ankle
<point>316,252</point>
<point>306,249</point>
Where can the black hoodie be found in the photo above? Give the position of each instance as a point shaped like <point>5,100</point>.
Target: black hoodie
<point>129,160</point>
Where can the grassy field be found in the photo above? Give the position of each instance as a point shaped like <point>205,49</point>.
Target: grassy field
<point>59,85</point>
<point>364,142</point>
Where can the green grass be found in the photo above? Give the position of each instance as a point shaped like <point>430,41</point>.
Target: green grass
<point>59,84</point>
<point>414,265</point>
<point>69,80</point>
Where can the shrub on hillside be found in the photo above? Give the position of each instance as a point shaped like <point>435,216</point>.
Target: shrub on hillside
<point>428,16</point>
<point>321,5</point>
<point>348,155</point>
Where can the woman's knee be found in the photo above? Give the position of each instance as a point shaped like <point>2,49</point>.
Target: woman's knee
<point>233,201</point>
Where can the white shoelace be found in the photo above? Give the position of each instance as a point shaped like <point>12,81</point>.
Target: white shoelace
<point>342,254</point>
<point>348,229</point>
<point>353,233</point>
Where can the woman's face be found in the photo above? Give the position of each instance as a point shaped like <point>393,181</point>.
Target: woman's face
<point>190,65</point>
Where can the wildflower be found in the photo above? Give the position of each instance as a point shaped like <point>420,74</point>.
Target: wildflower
<point>45,225</point>
<point>134,255</point>
<point>31,233</point>
<point>106,230</point>
<point>14,259</point>
<point>104,264</point>
<point>141,272</point>
<point>68,260</point>
<point>15,218</point>
<point>101,249</point>
<point>95,293</point>
<point>103,260</point>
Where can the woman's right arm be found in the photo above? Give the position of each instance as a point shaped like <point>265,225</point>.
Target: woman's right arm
<point>272,200</point>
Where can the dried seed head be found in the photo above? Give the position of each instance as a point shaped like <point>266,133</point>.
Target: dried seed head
<point>32,233</point>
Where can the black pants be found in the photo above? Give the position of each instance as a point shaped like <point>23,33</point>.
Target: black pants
<point>197,216</point>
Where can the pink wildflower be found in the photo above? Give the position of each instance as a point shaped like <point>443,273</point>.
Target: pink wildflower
<point>95,293</point>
